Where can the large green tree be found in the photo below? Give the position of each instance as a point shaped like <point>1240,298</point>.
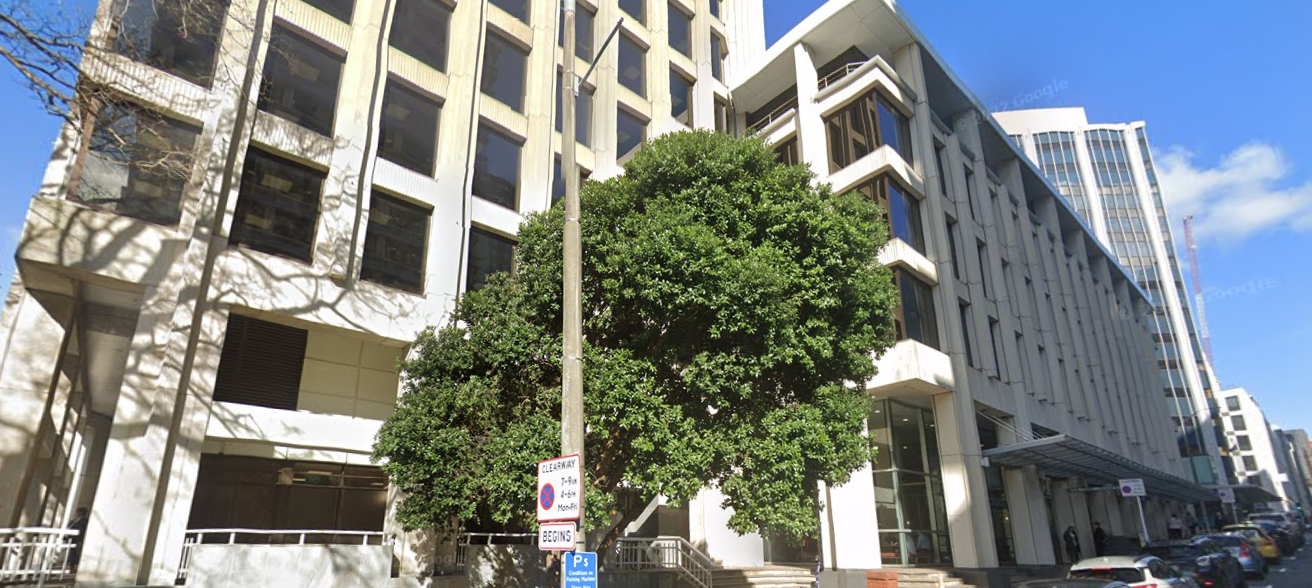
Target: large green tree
<point>732,312</point>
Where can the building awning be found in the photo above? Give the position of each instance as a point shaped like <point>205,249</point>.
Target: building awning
<point>1064,456</point>
<point>1251,493</point>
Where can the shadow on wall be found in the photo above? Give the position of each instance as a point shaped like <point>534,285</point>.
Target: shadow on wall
<point>507,566</point>
<point>290,566</point>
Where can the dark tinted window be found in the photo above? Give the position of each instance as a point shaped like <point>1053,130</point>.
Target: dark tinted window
<point>715,8</point>
<point>861,127</point>
<point>637,9</point>
<point>395,243</point>
<point>1127,575</point>
<point>558,183</point>
<point>902,212</point>
<point>420,29</point>
<point>408,133</point>
<point>136,163</point>
<point>503,72</point>
<point>1237,421</point>
<point>583,113</point>
<point>516,8</point>
<point>260,364</point>
<point>177,37</point>
<point>680,97</point>
<point>1244,443</point>
<point>583,19</point>
<point>788,153</point>
<point>300,81</point>
<point>489,253</point>
<point>918,319</point>
<point>717,57</point>
<point>277,206</point>
<point>1174,552</point>
<point>629,133</point>
<point>724,117</point>
<point>680,29</point>
<point>496,167</point>
<point>339,9</point>
<point>633,67</point>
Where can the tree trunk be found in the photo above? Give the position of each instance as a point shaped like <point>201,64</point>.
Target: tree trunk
<point>607,543</point>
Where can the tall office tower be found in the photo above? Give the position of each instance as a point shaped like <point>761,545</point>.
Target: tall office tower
<point>1106,173</point>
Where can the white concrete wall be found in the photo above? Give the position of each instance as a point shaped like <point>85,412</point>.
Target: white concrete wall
<point>289,566</point>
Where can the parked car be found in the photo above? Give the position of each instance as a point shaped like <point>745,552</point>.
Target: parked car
<point>1211,565</point>
<point>1289,521</point>
<point>1250,558</point>
<point>1073,583</point>
<point>1259,538</point>
<point>1139,571</point>
<point>1284,540</point>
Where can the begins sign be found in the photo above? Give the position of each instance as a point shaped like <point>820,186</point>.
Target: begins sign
<point>556,536</point>
<point>560,489</point>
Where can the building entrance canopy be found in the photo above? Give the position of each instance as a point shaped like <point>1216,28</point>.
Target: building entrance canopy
<point>1061,455</point>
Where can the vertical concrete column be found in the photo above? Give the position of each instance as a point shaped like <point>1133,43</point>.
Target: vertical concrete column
<point>708,529</point>
<point>34,328</point>
<point>540,98</point>
<point>1064,512</point>
<point>605,100</point>
<point>965,491</point>
<point>1030,527</point>
<point>849,535</point>
<point>810,123</point>
<point>1083,522</point>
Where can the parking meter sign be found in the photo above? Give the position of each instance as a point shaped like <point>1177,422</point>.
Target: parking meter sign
<point>580,570</point>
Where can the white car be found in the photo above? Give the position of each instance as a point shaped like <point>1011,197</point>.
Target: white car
<point>1138,571</point>
<point>1288,520</point>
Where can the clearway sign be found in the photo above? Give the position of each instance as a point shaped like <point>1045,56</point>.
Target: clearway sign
<point>1132,487</point>
<point>556,536</point>
<point>560,489</point>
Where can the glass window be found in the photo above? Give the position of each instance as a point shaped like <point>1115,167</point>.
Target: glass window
<point>1232,403</point>
<point>994,334</point>
<point>863,126</point>
<point>558,183</point>
<point>901,212</point>
<point>408,133</point>
<point>420,29</point>
<point>300,81</point>
<point>717,57</point>
<point>582,113</point>
<point>724,118</point>
<point>965,334</point>
<point>1245,444</point>
<point>970,196</point>
<point>680,29</point>
<point>955,252</point>
<point>338,9</point>
<point>516,8</point>
<point>395,243</point>
<point>680,97</point>
<point>918,320</point>
<point>583,19</point>
<point>136,163</point>
<point>180,38</point>
<point>1238,423</point>
<point>1250,463</point>
<point>496,167</point>
<point>503,72</point>
<point>489,254</point>
<point>715,8</point>
<point>630,132</point>
<point>277,206</point>
<point>942,171</point>
<point>788,153</point>
<point>636,9</point>
<point>633,67</point>
<point>984,279</point>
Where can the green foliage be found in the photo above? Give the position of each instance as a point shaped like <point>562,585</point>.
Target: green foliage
<point>732,312</point>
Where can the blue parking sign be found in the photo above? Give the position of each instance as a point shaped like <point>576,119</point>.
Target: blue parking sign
<point>580,570</point>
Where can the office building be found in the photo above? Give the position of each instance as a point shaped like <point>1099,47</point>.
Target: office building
<point>1106,173</point>
<point>1261,456</point>
<point>212,343</point>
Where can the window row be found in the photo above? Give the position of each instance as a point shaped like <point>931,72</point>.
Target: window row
<point>861,127</point>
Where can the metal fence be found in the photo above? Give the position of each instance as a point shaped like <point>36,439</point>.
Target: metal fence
<point>37,556</point>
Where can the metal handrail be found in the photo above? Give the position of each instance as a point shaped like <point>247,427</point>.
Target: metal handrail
<point>839,74</point>
<point>638,554</point>
<point>194,537</point>
<point>37,555</point>
<point>775,114</point>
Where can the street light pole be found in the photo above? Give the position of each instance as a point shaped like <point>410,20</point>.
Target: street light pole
<point>571,409</point>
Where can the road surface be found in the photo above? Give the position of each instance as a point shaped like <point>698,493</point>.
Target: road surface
<point>1294,571</point>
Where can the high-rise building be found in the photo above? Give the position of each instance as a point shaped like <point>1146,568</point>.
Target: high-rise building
<point>1261,455</point>
<point>1106,173</point>
<point>204,326</point>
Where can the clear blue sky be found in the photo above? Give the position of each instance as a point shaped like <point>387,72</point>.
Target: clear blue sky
<point>1224,89</point>
<point>1223,86</point>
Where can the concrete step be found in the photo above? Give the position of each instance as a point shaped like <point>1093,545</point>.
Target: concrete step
<point>764,577</point>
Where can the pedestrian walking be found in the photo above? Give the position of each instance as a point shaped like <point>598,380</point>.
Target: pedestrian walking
<point>1072,540</point>
<point>1099,539</point>
<point>1175,528</point>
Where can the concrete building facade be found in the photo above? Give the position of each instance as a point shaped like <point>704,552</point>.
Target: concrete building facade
<point>205,323</point>
<point>1106,172</point>
<point>1261,453</point>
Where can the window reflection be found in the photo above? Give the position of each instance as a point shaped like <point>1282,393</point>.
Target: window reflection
<point>180,38</point>
<point>489,254</point>
<point>420,29</point>
<point>300,81</point>
<point>277,206</point>
<point>496,167</point>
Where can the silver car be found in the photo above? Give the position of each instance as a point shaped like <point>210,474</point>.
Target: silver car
<point>1249,557</point>
<point>1073,583</point>
<point>1138,571</point>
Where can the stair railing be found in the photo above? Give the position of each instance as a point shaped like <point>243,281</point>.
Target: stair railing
<point>671,554</point>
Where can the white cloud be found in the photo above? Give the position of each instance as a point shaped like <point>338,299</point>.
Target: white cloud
<point>1241,195</point>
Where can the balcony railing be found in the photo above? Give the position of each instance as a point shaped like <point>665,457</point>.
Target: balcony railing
<point>195,537</point>
<point>776,114</point>
<point>37,556</point>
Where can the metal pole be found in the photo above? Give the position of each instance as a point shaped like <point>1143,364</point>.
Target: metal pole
<point>1143,523</point>
<point>571,409</point>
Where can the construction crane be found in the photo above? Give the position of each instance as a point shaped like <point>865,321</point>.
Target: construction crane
<point>1198,287</point>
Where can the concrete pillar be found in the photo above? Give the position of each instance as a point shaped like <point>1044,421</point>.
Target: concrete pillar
<point>810,124</point>
<point>35,327</point>
<point>849,535</point>
<point>1030,526</point>
<point>964,489</point>
<point>708,529</point>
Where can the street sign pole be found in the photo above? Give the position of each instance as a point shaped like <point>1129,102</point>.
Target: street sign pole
<point>571,409</point>
<point>1143,523</point>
